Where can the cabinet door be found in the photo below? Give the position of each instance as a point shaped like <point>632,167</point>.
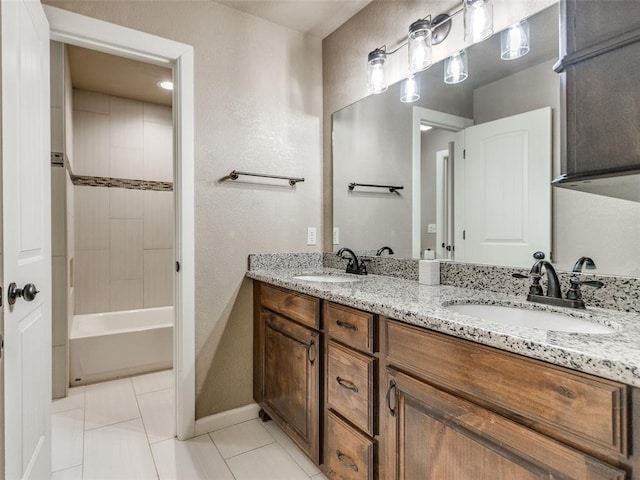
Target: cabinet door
<point>434,435</point>
<point>291,379</point>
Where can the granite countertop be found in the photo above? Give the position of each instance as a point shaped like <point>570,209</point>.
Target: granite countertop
<point>615,355</point>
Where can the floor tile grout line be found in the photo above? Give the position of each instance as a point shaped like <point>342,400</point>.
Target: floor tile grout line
<point>220,453</point>
<point>287,450</point>
<point>146,434</point>
<point>251,450</point>
<point>112,424</point>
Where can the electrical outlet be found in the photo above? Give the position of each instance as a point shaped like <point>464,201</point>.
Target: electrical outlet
<point>431,228</point>
<point>311,236</point>
<point>336,236</point>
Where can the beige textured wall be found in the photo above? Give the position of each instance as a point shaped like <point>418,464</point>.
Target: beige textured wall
<point>345,52</point>
<point>258,107</point>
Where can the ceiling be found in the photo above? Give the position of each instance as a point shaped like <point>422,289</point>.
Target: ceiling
<point>318,18</point>
<point>118,76</point>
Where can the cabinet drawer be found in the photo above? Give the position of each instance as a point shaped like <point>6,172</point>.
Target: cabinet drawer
<point>349,326</point>
<point>296,306</point>
<point>350,385</point>
<point>349,454</point>
<point>584,411</point>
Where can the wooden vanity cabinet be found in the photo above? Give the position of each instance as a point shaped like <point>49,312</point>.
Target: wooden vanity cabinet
<point>458,410</point>
<point>288,363</point>
<point>370,398</point>
<point>351,427</point>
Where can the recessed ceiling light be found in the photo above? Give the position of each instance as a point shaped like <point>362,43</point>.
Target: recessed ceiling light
<point>166,84</point>
<point>425,128</point>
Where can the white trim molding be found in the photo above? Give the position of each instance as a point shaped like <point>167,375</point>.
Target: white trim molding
<point>226,419</point>
<point>87,32</point>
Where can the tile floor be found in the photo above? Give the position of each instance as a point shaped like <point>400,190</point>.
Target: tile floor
<point>123,429</point>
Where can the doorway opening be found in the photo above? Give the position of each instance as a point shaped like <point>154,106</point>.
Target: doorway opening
<point>88,33</point>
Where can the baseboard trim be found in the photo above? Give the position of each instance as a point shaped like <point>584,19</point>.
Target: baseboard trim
<point>226,419</point>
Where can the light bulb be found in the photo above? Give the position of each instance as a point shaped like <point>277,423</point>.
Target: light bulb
<point>478,20</point>
<point>419,41</point>
<point>514,42</point>
<point>455,69</point>
<point>410,92</point>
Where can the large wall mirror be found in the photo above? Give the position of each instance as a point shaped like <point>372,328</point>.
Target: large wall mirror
<point>472,162</point>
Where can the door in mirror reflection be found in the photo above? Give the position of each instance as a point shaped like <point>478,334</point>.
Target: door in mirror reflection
<point>502,211</point>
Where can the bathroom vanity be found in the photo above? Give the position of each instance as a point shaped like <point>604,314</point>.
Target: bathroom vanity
<point>377,379</point>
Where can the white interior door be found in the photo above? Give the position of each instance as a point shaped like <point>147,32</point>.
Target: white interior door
<point>507,190</point>
<point>27,238</point>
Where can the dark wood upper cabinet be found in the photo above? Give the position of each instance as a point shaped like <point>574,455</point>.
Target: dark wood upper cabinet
<point>600,65</point>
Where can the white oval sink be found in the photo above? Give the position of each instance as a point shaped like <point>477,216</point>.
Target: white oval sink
<point>521,317</point>
<point>327,278</point>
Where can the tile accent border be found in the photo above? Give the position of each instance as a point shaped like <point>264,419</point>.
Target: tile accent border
<point>130,184</point>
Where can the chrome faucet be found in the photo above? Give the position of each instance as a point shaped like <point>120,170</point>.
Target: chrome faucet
<point>354,266</point>
<point>381,251</point>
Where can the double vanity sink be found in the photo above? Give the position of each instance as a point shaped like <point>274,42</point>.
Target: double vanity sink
<point>597,341</point>
<point>377,381</point>
<point>512,315</point>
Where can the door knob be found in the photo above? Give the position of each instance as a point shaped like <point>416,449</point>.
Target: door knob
<point>29,292</point>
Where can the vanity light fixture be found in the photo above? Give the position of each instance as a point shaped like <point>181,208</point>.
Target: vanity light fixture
<point>514,42</point>
<point>166,84</point>
<point>422,35</point>
<point>376,80</point>
<point>455,68</point>
<point>425,128</point>
<point>409,91</point>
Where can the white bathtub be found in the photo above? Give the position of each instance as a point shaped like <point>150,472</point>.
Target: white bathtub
<point>104,346</point>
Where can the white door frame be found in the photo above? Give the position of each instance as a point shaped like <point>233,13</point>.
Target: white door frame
<point>445,121</point>
<point>87,32</point>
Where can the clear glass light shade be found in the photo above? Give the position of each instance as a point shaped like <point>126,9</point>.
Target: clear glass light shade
<point>478,20</point>
<point>456,68</point>
<point>514,42</point>
<point>376,78</point>
<point>409,90</point>
<point>419,41</point>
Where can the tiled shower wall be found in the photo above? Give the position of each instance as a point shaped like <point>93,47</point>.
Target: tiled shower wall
<point>123,237</point>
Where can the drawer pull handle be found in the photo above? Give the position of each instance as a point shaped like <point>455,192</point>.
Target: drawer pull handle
<point>347,384</point>
<point>346,461</point>
<point>312,344</point>
<point>392,385</point>
<point>346,325</point>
